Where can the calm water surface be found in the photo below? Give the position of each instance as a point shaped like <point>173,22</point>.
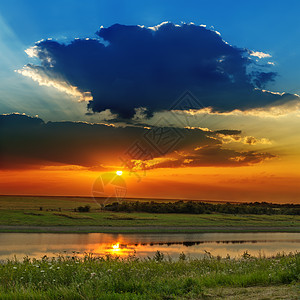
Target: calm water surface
<point>193,244</point>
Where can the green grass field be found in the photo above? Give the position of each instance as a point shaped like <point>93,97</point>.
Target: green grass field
<point>59,212</point>
<point>156,278</point>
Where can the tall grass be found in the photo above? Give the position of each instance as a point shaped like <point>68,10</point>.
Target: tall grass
<point>90,277</point>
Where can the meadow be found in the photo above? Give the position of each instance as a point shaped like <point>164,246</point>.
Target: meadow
<point>159,277</point>
<point>48,214</point>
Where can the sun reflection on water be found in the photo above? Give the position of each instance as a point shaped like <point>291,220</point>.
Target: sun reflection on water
<point>115,249</point>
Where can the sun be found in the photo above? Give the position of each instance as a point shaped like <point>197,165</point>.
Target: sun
<point>119,173</point>
<point>116,246</point>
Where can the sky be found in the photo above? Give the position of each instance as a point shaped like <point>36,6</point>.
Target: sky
<point>196,100</point>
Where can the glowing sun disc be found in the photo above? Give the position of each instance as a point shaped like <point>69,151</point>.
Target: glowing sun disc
<point>119,173</point>
<point>116,246</point>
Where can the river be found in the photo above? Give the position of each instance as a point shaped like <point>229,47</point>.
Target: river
<point>194,245</point>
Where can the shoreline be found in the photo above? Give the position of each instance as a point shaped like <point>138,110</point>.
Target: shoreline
<point>144,229</point>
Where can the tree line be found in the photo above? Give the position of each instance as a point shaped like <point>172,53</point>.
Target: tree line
<point>198,207</point>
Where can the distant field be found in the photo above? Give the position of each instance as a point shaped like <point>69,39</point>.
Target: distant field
<point>59,212</point>
<point>34,202</point>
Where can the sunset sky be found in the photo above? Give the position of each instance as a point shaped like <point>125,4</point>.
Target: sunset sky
<point>196,100</point>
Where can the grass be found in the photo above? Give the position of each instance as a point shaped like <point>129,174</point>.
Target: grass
<point>279,292</point>
<point>19,217</point>
<point>59,212</point>
<point>159,277</point>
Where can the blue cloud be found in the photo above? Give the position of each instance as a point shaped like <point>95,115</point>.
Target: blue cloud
<point>134,66</point>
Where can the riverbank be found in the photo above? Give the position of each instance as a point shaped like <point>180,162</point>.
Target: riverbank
<point>143,229</point>
<point>156,278</point>
<point>42,214</point>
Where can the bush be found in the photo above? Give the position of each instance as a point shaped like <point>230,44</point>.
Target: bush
<point>85,208</point>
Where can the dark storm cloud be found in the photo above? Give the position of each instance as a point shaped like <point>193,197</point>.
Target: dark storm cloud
<point>213,155</point>
<point>28,142</point>
<point>262,78</point>
<point>134,66</point>
<point>228,132</point>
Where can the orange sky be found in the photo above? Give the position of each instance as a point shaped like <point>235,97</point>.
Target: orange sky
<point>264,182</point>
<point>274,180</point>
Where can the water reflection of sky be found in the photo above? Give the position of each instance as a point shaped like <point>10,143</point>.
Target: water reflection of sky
<point>143,245</point>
